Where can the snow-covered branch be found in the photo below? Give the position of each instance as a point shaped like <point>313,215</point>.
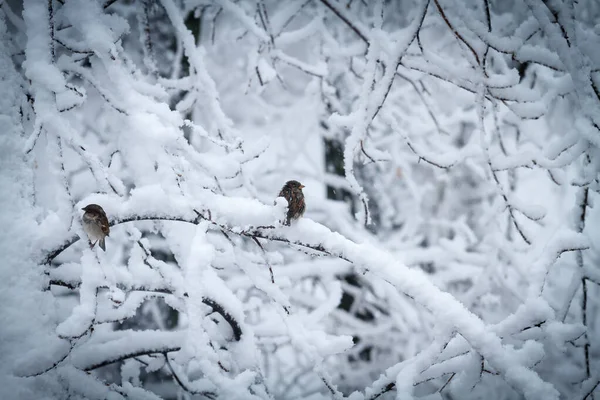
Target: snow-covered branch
<point>448,157</point>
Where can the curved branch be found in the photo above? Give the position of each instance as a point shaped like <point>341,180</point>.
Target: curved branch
<point>129,355</point>
<point>184,386</point>
<point>50,367</point>
<point>369,259</point>
<point>52,254</point>
<point>218,308</point>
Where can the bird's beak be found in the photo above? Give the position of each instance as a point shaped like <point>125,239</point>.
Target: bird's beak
<point>302,186</point>
<point>83,209</point>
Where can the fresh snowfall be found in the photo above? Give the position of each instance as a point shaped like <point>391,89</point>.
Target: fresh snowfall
<point>299,199</point>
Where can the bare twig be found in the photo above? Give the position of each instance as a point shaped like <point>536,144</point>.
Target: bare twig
<point>455,32</point>
<point>584,299</point>
<point>447,382</point>
<point>590,392</point>
<point>128,355</point>
<point>339,14</point>
<point>109,3</point>
<point>266,260</point>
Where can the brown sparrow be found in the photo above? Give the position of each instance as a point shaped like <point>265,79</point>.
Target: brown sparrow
<point>95,224</point>
<point>292,192</point>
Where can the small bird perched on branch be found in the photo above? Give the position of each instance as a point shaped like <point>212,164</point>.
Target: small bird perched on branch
<point>95,224</point>
<point>292,192</point>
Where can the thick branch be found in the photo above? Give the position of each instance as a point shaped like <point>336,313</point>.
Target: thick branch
<point>369,259</point>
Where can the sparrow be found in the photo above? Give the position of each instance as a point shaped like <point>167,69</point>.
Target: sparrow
<point>95,224</point>
<point>292,192</point>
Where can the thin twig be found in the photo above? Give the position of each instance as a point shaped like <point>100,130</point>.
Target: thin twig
<point>109,3</point>
<point>184,386</point>
<point>447,382</point>
<point>346,20</point>
<point>133,354</point>
<point>455,32</point>
<point>266,260</point>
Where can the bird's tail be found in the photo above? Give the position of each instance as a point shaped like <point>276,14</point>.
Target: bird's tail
<point>102,244</point>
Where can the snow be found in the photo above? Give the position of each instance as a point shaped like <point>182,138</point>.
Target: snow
<point>297,35</point>
<point>449,246</point>
<point>267,73</point>
<point>369,259</point>
<point>80,321</point>
<point>28,313</point>
<point>319,70</point>
<point>125,342</point>
<point>245,19</point>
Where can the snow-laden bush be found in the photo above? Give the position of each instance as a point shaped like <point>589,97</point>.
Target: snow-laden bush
<point>450,155</point>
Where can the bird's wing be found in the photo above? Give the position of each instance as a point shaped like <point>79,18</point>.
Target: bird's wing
<point>103,224</point>
<point>285,193</point>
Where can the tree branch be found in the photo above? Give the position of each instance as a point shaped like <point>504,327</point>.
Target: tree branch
<point>341,15</point>
<point>218,308</point>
